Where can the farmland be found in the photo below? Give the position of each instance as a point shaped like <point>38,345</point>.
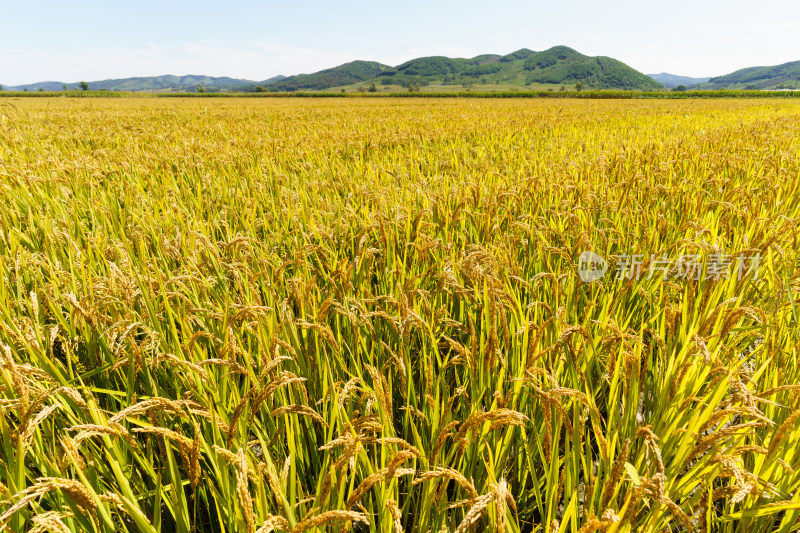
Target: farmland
<point>359,314</point>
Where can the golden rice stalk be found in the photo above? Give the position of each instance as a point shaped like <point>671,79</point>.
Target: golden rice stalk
<point>194,459</point>
<point>27,434</point>
<point>352,384</point>
<point>752,448</point>
<point>17,378</point>
<point>299,410</point>
<point>594,523</point>
<point>395,441</point>
<point>382,390</point>
<point>788,426</point>
<point>781,388</point>
<point>226,454</point>
<point>444,433</point>
<point>501,495</point>
<point>69,392</point>
<point>269,368</point>
<point>157,403</point>
<point>353,446</point>
<point>654,487</point>
<point>274,523</point>
<point>285,378</point>
<point>237,413</point>
<point>475,420</point>
<point>50,522</point>
<point>272,479</point>
<point>381,475</point>
<point>323,330</point>
<point>651,439</point>
<point>92,430</point>
<point>184,442</point>
<point>342,440</point>
<point>232,365</point>
<point>287,463</point>
<point>400,457</point>
<point>243,491</point>
<point>616,474</point>
<point>730,411</point>
<point>399,364</point>
<point>75,490</point>
<point>71,454</point>
<point>475,512</point>
<point>397,517</point>
<point>447,474</point>
<point>329,517</point>
<point>708,442</point>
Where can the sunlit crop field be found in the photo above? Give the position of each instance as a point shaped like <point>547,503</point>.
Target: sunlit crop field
<point>369,315</point>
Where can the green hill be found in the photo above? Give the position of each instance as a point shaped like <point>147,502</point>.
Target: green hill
<point>786,76</point>
<point>564,65</point>
<point>557,66</point>
<point>346,74</point>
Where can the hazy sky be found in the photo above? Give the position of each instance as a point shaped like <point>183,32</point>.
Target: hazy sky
<point>93,40</point>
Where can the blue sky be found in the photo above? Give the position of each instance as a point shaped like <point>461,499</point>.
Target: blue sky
<point>92,40</point>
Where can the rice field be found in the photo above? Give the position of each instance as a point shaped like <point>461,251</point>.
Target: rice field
<point>352,315</point>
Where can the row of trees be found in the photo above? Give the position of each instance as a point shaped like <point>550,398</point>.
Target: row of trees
<point>415,86</point>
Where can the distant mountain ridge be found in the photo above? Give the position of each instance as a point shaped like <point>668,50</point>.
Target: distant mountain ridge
<point>557,67</point>
<point>525,68</point>
<point>670,81</point>
<point>149,84</point>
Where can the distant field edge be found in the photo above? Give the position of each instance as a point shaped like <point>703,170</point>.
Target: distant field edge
<point>618,95</point>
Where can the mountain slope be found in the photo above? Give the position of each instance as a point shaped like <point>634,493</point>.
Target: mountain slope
<point>346,74</point>
<point>670,81</point>
<point>785,76</point>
